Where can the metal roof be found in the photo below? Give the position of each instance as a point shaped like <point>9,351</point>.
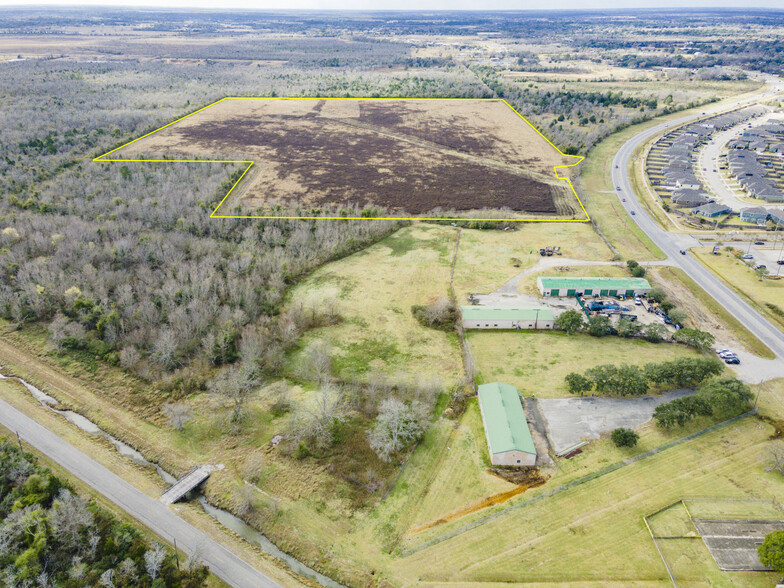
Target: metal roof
<point>595,283</point>
<point>496,313</point>
<point>505,424</point>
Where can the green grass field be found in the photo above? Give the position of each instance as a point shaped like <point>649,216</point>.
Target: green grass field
<point>537,362</point>
<point>598,527</point>
<point>461,478</point>
<point>374,290</point>
<point>759,292</point>
<point>484,260</point>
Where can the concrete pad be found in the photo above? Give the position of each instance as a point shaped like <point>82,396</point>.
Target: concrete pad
<point>571,420</point>
<point>733,543</point>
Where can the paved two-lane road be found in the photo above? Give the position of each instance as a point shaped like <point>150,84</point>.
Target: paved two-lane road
<point>150,512</point>
<point>672,243</point>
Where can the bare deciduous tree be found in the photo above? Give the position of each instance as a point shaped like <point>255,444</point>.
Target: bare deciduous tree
<point>776,459</point>
<point>314,421</point>
<point>69,516</point>
<point>438,311</point>
<point>397,426</point>
<point>58,332</point>
<point>232,386</point>
<point>178,414</point>
<point>107,578</point>
<point>243,499</point>
<point>164,350</point>
<point>127,571</point>
<point>78,568</point>
<point>317,364</point>
<point>129,357</point>
<point>153,559</point>
<point>195,558</point>
<point>279,395</point>
<point>93,539</point>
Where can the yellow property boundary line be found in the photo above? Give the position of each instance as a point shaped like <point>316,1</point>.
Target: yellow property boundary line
<point>101,159</point>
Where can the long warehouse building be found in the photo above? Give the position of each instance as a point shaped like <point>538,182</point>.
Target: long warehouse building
<point>509,439</point>
<point>593,286</point>
<point>495,317</point>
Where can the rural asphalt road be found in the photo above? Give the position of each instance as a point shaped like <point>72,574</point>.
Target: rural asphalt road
<point>150,512</point>
<point>672,243</point>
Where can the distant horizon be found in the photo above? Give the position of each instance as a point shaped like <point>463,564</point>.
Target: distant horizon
<point>410,6</point>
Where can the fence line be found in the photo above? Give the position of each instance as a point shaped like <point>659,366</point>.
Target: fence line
<point>592,476</point>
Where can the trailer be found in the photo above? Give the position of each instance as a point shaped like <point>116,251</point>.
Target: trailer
<point>599,306</point>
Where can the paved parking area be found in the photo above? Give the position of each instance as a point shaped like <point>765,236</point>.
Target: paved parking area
<point>769,253</point>
<point>571,420</point>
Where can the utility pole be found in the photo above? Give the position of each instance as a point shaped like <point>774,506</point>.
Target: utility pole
<point>19,439</point>
<point>177,555</point>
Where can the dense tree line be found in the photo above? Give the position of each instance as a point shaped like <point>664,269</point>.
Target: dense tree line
<point>123,261</point>
<point>50,536</point>
<point>721,397</point>
<point>632,380</point>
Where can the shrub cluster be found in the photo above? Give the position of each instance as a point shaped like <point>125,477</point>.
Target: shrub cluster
<point>721,397</point>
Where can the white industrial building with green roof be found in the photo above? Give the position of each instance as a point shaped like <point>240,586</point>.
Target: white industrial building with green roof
<point>593,286</point>
<point>500,317</point>
<point>508,436</point>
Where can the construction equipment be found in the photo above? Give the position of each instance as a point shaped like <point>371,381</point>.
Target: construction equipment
<point>582,305</point>
<point>550,250</point>
<point>611,307</point>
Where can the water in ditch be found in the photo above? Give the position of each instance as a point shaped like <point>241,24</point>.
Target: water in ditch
<point>225,518</point>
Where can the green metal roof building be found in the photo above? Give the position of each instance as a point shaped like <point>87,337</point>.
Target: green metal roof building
<point>593,286</point>
<point>508,436</point>
<point>499,317</point>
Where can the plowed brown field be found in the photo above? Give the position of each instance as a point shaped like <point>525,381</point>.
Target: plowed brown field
<point>407,156</point>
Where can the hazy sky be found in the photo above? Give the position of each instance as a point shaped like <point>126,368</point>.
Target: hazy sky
<point>413,4</point>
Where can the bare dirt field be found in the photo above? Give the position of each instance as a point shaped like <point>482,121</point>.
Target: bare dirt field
<point>406,156</point>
